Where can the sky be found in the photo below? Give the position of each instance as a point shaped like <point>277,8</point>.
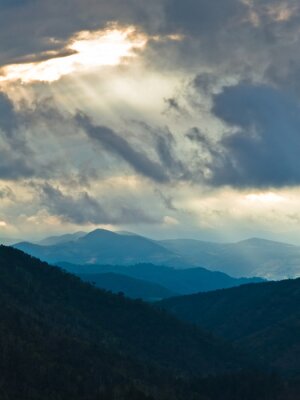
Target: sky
<point>168,118</point>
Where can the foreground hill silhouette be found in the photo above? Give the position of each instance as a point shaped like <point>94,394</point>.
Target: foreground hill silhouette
<point>263,319</point>
<point>61,336</point>
<point>63,339</point>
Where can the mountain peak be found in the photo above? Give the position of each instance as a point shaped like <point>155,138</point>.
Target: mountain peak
<point>99,233</point>
<point>255,241</point>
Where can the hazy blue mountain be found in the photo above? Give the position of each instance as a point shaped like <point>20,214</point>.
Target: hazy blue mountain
<point>248,258</point>
<point>52,240</point>
<point>253,257</point>
<point>181,281</point>
<point>131,287</point>
<point>262,318</point>
<point>127,233</point>
<point>103,247</point>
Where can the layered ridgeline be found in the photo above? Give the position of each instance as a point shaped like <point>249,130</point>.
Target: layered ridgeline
<point>149,281</point>
<point>263,319</point>
<point>102,247</point>
<point>150,262</point>
<point>252,257</point>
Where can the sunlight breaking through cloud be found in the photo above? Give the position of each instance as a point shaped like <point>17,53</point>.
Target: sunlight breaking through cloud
<point>268,197</point>
<point>89,50</point>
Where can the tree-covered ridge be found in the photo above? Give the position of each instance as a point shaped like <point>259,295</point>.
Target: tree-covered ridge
<point>263,319</point>
<point>62,339</point>
<point>68,337</point>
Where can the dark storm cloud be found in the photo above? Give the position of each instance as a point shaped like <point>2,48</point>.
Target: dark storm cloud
<point>18,156</point>
<point>10,121</point>
<point>255,40</point>
<point>14,167</point>
<point>8,117</point>
<point>212,30</point>
<point>165,150</point>
<point>84,209</point>
<point>14,3</point>
<point>218,34</point>
<point>202,16</point>
<point>13,148</point>
<point>119,146</point>
<point>263,148</point>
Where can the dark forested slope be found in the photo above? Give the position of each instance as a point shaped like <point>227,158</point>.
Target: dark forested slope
<point>61,338</point>
<point>262,318</point>
<point>130,287</point>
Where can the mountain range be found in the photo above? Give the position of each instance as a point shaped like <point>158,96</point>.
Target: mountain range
<point>249,258</point>
<point>252,257</point>
<point>102,247</point>
<point>173,281</point>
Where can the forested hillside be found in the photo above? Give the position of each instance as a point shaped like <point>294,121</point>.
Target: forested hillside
<point>61,339</point>
<point>263,319</point>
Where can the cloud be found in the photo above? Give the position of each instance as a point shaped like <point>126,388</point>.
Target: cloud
<point>8,117</point>
<point>85,51</point>
<point>19,157</point>
<point>262,148</point>
<point>43,26</point>
<point>119,146</point>
<point>195,135</point>
<point>202,16</point>
<point>84,209</point>
<point>13,147</point>
<point>165,150</point>
<point>167,200</point>
<point>6,193</point>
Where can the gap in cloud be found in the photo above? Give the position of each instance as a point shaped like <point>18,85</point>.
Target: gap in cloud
<point>86,50</point>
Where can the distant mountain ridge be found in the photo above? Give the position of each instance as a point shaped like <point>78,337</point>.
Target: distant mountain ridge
<point>68,237</point>
<point>247,258</point>
<point>251,257</point>
<point>180,281</point>
<point>104,247</point>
